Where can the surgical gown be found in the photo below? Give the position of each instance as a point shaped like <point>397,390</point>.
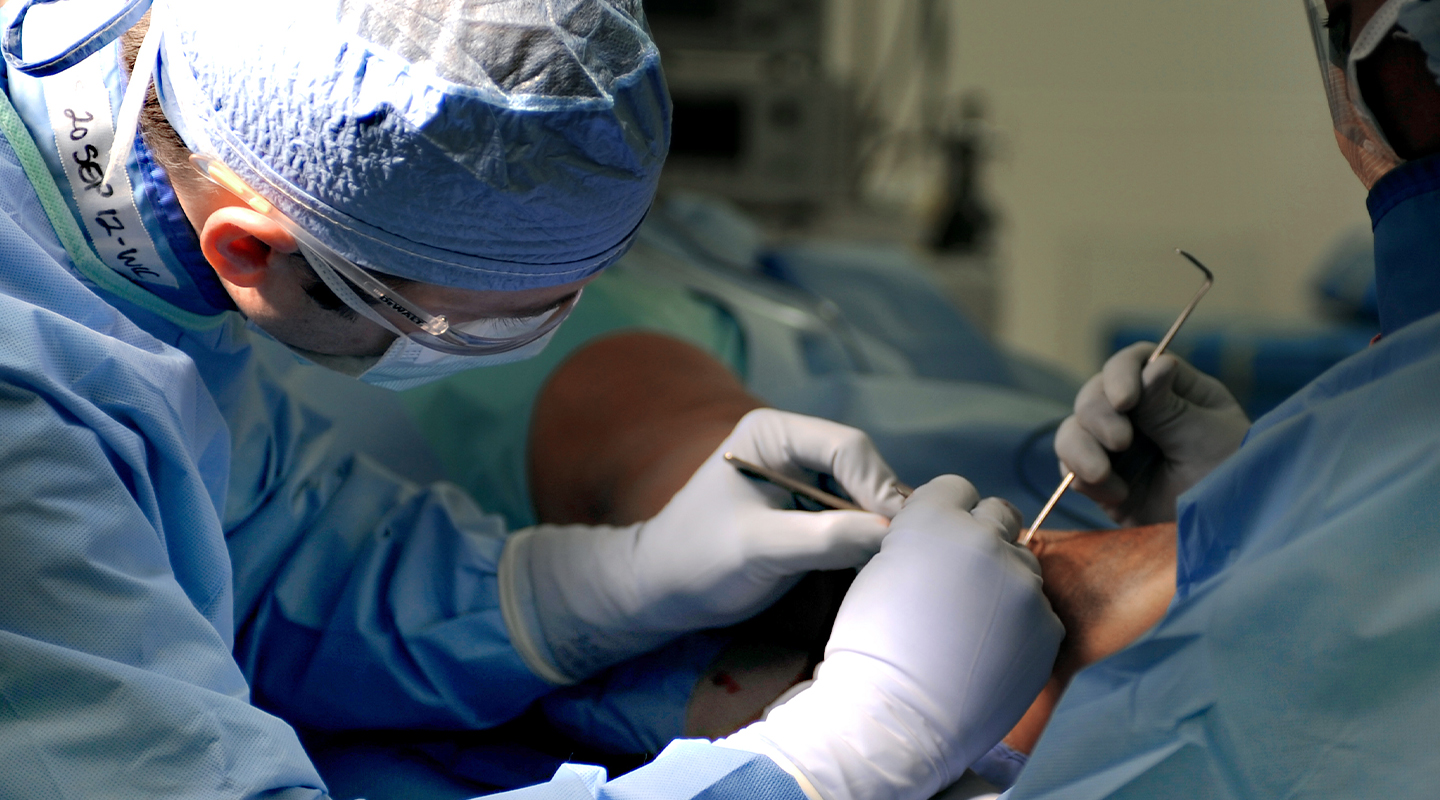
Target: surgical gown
<point>1299,657</point>
<point>179,539</point>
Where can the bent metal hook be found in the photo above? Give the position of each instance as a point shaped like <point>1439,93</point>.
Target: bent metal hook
<point>1159,350</point>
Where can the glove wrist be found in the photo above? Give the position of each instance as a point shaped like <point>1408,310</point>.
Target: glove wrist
<point>517,607</point>
<point>568,597</point>
<point>854,739</point>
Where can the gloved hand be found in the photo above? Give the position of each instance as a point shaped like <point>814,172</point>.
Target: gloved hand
<point>1190,416</point>
<point>579,598</point>
<point>941,644</point>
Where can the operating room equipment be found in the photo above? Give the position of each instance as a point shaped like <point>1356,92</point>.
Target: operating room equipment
<point>1142,451</point>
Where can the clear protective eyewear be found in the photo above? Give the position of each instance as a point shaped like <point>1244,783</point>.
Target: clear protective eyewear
<point>389,308</point>
<point>1356,131</point>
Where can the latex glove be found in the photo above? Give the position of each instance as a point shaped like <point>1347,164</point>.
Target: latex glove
<point>1190,416</point>
<point>941,644</point>
<point>579,598</point>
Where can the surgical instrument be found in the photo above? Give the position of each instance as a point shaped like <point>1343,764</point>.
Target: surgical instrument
<point>820,496</point>
<point>1144,454</point>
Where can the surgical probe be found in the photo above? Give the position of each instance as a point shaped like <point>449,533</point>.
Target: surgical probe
<point>1159,350</point>
<point>820,496</point>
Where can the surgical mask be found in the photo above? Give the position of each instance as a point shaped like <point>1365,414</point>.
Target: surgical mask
<point>406,364</point>
<point>1359,135</point>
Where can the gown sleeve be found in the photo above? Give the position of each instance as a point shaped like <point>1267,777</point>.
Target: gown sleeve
<point>116,678</point>
<point>686,770</point>
<point>363,599</point>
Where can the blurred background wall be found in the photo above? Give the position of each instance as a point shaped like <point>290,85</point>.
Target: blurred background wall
<point>1111,133</point>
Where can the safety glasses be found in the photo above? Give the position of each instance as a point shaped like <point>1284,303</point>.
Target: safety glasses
<point>387,307</point>
<point>1330,31</point>
<point>1334,30</point>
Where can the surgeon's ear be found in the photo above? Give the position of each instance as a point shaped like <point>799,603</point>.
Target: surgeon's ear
<point>243,246</point>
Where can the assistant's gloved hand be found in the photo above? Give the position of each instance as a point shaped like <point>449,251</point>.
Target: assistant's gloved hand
<point>1190,416</point>
<point>579,598</point>
<point>941,644</point>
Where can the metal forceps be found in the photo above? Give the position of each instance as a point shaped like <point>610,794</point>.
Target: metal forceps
<point>1159,350</point>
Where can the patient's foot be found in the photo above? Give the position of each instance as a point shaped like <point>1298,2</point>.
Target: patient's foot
<point>1108,587</point>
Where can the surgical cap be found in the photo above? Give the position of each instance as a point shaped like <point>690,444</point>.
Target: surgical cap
<point>470,143</point>
<point>480,144</point>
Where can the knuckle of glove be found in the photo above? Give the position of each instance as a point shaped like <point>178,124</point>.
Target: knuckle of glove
<point>1070,440</point>
<point>1079,450</point>
<point>1098,416</point>
<point>1120,377</point>
<point>947,536</point>
<point>759,416</point>
<point>756,425</point>
<point>1001,512</point>
<point>945,491</point>
<point>1091,394</point>
<point>849,532</point>
<point>1133,356</point>
<point>850,440</point>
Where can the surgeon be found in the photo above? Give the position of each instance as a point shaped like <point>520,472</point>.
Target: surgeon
<point>396,191</point>
<point>1298,657</point>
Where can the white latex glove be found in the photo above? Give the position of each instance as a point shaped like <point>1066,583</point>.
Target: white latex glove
<point>1190,416</point>
<point>579,598</point>
<point>942,643</point>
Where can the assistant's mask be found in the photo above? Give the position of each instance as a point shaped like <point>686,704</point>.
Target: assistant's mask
<point>1360,137</point>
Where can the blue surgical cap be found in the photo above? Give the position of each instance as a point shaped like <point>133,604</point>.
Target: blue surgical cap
<point>479,144</point>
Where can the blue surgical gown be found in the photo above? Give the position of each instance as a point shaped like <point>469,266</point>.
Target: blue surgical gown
<point>1300,657</point>
<point>181,542</point>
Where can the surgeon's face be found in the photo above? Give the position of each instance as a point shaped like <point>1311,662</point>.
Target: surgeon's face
<point>1399,89</point>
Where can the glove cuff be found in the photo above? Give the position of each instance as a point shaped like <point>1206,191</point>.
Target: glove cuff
<point>567,596</point>
<point>854,739</point>
<point>517,607</point>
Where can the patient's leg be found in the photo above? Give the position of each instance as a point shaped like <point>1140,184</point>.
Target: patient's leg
<point>624,423</point>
